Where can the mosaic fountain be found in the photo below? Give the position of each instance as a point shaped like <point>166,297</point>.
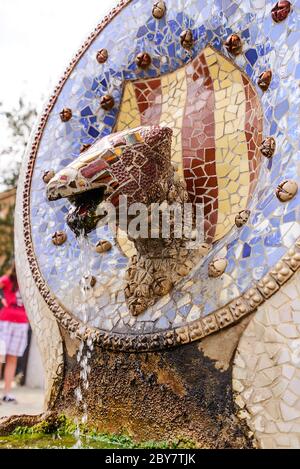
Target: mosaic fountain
<point>179,100</point>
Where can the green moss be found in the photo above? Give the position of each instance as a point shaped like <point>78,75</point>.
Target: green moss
<point>61,427</point>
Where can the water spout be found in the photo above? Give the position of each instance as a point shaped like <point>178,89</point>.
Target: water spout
<point>86,345</point>
<point>82,218</point>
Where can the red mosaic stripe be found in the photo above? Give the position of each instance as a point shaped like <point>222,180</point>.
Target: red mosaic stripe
<point>93,168</point>
<point>253,132</point>
<point>149,100</point>
<point>198,143</point>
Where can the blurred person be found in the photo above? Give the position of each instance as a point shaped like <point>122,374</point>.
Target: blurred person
<point>13,329</point>
<point>2,352</point>
<point>2,343</point>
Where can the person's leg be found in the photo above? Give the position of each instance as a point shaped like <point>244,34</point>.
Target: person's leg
<point>2,347</point>
<point>9,372</point>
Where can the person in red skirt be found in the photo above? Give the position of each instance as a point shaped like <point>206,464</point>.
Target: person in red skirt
<point>13,329</point>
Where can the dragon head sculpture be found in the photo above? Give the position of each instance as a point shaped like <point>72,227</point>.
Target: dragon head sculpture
<point>136,164</point>
<point>130,163</point>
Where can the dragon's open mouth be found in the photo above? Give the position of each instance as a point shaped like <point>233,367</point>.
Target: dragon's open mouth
<point>130,163</point>
<point>91,197</point>
<point>82,217</point>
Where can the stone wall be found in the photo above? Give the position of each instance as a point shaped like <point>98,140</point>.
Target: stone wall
<point>266,372</point>
<point>179,394</point>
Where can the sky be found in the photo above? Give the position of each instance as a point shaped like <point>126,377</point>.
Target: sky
<point>38,39</point>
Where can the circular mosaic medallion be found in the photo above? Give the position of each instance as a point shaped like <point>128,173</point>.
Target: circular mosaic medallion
<point>224,76</point>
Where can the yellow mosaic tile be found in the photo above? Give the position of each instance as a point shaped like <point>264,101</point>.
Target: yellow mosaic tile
<point>230,140</point>
<point>126,246</point>
<point>231,150</point>
<point>173,104</point>
<point>129,115</point>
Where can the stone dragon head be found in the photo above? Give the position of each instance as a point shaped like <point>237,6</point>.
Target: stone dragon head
<point>136,164</point>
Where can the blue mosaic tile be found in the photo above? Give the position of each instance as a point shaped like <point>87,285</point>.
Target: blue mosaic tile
<point>272,228</point>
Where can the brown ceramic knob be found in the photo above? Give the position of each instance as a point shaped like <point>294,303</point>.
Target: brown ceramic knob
<point>88,281</point>
<point>107,102</point>
<point>286,190</point>
<point>268,147</point>
<point>204,249</point>
<point>143,60</point>
<point>93,281</point>
<point>242,217</point>
<point>264,80</point>
<point>59,238</point>
<point>65,114</point>
<point>48,175</point>
<point>159,10</point>
<point>187,39</point>
<point>103,246</point>
<point>102,56</point>
<point>234,44</point>
<point>217,267</point>
<point>85,147</point>
<point>280,11</point>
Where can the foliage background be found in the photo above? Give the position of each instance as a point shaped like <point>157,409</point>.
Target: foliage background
<point>18,123</point>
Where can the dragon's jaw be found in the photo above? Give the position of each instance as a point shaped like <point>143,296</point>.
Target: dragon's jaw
<point>141,156</point>
<point>128,163</point>
<point>86,183</point>
<point>72,181</point>
<point>84,215</point>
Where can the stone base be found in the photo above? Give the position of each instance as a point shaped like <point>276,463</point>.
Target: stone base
<point>179,394</point>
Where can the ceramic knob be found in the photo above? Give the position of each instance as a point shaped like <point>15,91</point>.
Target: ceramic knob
<point>268,147</point>
<point>65,114</point>
<point>48,175</point>
<point>234,44</point>
<point>103,246</point>
<point>59,238</point>
<point>187,39</point>
<point>217,267</point>
<point>102,56</point>
<point>286,190</point>
<point>280,11</point>
<point>159,10</point>
<point>242,217</point>
<point>264,80</point>
<point>143,60</point>
<point>107,102</point>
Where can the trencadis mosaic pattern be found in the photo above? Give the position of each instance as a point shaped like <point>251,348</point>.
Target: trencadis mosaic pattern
<point>169,85</point>
<point>216,119</point>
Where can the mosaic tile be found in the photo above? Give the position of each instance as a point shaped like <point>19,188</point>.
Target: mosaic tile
<point>230,111</point>
<point>41,319</point>
<point>202,115</point>
<point>266,377</point>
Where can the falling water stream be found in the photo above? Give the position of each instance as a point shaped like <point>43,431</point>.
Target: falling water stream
<point>86,344</point>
